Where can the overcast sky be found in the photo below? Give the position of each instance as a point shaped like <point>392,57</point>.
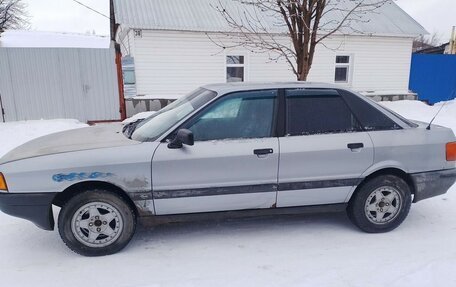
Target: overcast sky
<point>67,16</point>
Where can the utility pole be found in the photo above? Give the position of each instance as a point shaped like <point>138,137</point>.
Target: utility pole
<point>453,41</point>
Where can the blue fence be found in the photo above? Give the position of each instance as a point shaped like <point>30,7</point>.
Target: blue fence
<point>433,77</point>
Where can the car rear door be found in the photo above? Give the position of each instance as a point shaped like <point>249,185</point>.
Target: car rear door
<point>233,163</point>
<point>324,152</point>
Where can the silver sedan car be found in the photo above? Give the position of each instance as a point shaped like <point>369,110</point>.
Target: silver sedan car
<point>230,150</point>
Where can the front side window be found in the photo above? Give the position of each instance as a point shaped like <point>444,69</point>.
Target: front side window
<point>342,73</point>
<point>236,116</point>
<point>311,112</point>
<point>235,66</point>
<point>154,126</point>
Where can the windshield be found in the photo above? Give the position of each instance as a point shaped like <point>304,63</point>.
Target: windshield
<point>154,126</point>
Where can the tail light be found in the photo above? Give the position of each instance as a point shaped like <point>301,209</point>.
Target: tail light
<point>3,185</point>
<point>451,151</point>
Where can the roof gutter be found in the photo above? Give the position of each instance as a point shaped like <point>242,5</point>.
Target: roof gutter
<point>285,34</point>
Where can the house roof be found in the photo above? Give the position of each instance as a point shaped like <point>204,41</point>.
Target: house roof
<point>434,50</point>
<point>201,15</point>
<point>37,39</point>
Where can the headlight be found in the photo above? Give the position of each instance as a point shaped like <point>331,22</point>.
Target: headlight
<point>3,185</point>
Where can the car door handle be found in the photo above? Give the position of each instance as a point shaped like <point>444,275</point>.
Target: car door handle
<point>355,145</point>
<point>263,151</point>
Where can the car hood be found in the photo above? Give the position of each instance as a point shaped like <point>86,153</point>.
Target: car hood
<point>103,136</point>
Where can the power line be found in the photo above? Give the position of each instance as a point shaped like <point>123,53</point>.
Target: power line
<point>90,8</point>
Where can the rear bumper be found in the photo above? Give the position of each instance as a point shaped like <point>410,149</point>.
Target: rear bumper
<point>35,207</point>
<point>433,183</point>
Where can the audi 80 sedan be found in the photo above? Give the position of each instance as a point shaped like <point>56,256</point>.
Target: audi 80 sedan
<point>234,150</point>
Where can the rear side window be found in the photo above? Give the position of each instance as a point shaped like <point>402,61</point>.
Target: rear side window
<point>371,118</point>
<point>312,112</point>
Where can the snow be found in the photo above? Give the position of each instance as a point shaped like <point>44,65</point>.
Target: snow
<point>38,39</point>
<point>138,116</point>
<point>420,111</point>
<point>387,93</point>
<point>157,97</point>
<point>308,250</point>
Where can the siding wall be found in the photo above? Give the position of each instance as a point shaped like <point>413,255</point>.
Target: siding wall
<point>48,83</point>
<point>173,63</point>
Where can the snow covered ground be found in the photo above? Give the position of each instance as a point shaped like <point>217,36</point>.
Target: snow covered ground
<point>420,111</point>
<point>309,250</point>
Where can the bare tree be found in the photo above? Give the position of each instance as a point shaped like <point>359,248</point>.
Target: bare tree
<point>427,41</point>
<point>13,15</point>
<point>262,26</point>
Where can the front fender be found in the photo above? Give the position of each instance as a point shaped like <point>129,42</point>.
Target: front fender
<point>128,167</point>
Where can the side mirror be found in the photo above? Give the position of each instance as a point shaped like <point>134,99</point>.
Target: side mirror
<point>183,136</point>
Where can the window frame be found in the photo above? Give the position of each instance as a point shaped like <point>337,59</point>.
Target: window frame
<point>244,66</point>
<point>275,121</point>
<point>348,65</point>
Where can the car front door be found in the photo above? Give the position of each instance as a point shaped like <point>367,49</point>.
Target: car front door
<point>324,152</point>
<point>233,163</point>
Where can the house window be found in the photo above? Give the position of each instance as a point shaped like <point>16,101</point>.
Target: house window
<point>235,69</point>
<point>342,73</point>
<point>129,77</point>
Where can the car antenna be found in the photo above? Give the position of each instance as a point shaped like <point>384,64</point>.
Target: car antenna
<point>438,112</point>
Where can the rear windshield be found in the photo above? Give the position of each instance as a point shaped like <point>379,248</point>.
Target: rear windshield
<point>373,114</point>
<point>406,121</point>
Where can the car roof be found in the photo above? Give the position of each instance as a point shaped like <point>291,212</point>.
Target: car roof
<point>224,88</point>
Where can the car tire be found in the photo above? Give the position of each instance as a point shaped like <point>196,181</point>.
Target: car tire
<point>96,223</point>
<point>381,204</point>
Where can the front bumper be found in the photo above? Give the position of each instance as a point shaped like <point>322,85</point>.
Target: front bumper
<point>433,183</point>
<point>35,207</point>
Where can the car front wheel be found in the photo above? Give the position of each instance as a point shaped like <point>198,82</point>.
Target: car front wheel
<point>381,204</point>
<point>96,223</point>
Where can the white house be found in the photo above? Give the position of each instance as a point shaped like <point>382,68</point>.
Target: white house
<point>168,40</point>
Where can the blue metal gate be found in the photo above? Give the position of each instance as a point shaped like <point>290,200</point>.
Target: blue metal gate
<point>433,77</point>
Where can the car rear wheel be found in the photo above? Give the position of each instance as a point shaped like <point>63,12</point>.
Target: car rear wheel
<point>96,223</point>
<point>381,204</point>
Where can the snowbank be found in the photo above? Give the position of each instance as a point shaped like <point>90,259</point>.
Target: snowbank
<point>420,111</point>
